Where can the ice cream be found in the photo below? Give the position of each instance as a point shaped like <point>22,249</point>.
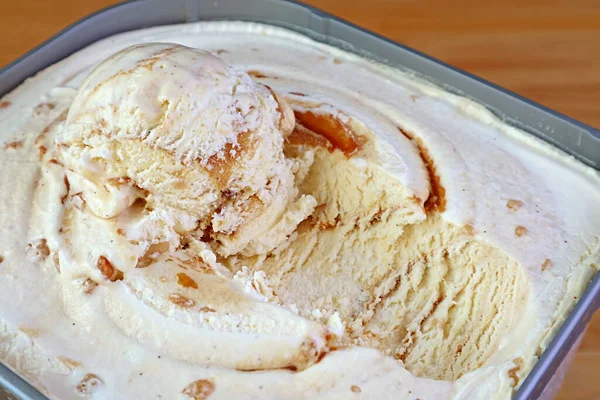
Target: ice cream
<point>271,217</point>
<point>201,145</point>
<point>189,135</point>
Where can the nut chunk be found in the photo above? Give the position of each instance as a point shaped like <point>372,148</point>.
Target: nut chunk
<point>199,390</point>
<point>39,249</point>
<point>181,301</point>
<point>107,269</point>
<point>89,384</point>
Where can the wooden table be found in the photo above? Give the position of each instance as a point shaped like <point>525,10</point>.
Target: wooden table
<point>550,54</point>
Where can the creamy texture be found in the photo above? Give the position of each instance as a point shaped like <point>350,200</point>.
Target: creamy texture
<point>189,135</point>
<point>444,249</point>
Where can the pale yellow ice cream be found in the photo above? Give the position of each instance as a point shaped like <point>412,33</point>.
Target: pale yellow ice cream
<point>407,283</point>
<point>276,218</point>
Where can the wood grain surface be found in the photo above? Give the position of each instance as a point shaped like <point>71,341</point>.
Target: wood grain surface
<point>546,51</point>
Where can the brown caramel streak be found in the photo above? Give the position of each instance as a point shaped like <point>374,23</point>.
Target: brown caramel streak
<point>256,74</point>
<point>186,281</point>
<point>330,127</point>
<point>220,166</point>
<point>294,368</point>
<point>42,150</point>
<point>513,372</point>
<point>304,136</point>
<point>376,302</point>
<point>63,199</point>
<point>437,198</point>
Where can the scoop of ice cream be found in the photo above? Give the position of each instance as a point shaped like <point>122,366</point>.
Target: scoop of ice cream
<point>171,155</point>
<point>188,134</point>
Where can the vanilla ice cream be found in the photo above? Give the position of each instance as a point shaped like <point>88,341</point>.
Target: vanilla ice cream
<point>271,217</point>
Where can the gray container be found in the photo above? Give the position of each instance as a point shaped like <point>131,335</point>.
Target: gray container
<point>573,137</point>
